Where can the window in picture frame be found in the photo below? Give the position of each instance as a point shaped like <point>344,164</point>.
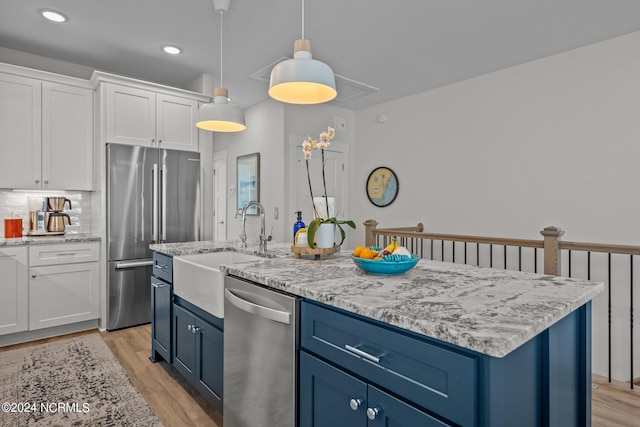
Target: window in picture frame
<point>248,181</point>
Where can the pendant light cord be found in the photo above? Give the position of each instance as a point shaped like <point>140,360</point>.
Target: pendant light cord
<point>303,19</point>
<point>221,13</point>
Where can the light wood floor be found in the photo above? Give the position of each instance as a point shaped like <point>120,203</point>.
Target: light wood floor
<point>176,403</point>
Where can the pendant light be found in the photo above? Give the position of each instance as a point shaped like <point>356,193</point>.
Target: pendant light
<point>220,116</point>
<point>302,80</point>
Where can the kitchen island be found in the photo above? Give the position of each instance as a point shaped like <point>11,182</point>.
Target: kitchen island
<point>524,339</point>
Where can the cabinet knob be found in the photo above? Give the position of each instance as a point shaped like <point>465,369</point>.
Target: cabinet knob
<point>46,181</point>
<point>159,141</point>
<point>189,327</point>
<point>195,329</point>
<point>34,275</point>
<point>372,413</point>
<point>153,140</point>
<point>355,404</point>
<point>37,181</point>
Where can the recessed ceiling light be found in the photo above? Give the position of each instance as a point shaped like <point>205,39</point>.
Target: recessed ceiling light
<point>53,16</point>
<point>172,50</point>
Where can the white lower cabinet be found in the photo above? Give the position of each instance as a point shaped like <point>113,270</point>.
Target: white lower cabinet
<point>14,290</point>
<point>63,284</point>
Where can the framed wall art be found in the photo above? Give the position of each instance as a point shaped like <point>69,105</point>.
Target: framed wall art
<point>382,186</point>
<point>248,185</point>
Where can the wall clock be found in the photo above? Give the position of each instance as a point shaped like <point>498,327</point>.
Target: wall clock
<point>382,186</point>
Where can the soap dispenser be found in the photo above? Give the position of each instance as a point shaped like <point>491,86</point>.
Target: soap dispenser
<point>297,226</point>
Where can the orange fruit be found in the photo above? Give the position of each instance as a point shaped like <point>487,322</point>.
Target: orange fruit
<point>367,253</point>
<point>358,250</point>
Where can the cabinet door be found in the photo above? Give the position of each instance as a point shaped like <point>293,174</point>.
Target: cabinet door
<point>209,353</point>
<point>63,294</point>
<point>326,395</point>
<point>176,122</point>
<point>184,342</point>
<point>130,116</point>
<point>384,410</point>
<point>20,132</point>
<point>67,137</point>
<point>160,319</point>
<point>14,288</point>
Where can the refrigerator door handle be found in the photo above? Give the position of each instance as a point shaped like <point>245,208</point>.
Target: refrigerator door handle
<point>135,264</point>
<point>163,179</point>
<point>154,204</point>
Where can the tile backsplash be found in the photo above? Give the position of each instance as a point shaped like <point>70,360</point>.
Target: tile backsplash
<point>18,201</point>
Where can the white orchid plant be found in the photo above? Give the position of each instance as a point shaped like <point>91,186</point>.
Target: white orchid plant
<point>308,145</point>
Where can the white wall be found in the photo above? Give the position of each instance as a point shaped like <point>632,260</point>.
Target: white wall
<point>264,134</point>
<point>269,126</point>
<point>550,142</point>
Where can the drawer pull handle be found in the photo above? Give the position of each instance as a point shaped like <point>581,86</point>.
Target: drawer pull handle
<point>355,404</point>
<point>362,354</point>
<point>66,254</point>
<point>372,413</point>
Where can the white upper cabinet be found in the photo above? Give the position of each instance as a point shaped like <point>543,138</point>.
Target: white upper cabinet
<point>176,122</point>
<point>20,132</point>
<point>46,134</point>
<point>139,113</point>
<point>130,115</point>
<point>67,137</point>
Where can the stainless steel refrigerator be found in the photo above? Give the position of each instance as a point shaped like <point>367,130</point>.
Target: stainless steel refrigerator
<point>153,196</point>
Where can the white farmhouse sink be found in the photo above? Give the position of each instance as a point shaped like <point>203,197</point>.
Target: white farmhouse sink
<point>197,278</point>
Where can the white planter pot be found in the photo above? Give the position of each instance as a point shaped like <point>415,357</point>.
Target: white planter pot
<point>325,235</point>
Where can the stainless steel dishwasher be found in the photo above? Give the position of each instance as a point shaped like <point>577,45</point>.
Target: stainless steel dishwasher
<point>260,356</point>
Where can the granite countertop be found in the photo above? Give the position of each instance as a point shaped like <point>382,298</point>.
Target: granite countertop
<point>490,311</point>
<point>46,240</point>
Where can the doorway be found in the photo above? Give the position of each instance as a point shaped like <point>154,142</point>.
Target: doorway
<point>220,195</point>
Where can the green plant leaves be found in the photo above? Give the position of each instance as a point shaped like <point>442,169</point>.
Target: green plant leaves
<point>313,226</point>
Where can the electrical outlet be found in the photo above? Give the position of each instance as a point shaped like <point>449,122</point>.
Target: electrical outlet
<point>275,213</point>
<point>340,124</point>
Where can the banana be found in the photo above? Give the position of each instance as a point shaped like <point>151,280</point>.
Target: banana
<point>392,246</point>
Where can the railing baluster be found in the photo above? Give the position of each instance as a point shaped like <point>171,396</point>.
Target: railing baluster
<point>535,260</point>
<point>519,258</point>
<point>505,257</point>
<point>465,252</point>
<point>631,319</point>
<point>453,251</point>
<point>442,250</point>
<point>478,254</point>
<point>431,249</point>
<point>609,311</point>
<point>569,262</point>
<point>490,255</point>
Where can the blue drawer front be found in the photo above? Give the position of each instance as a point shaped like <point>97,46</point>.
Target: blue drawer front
<point>163,267</point>
<point>440,380</point>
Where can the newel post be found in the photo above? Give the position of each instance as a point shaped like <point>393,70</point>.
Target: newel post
<point>552,250</point>
<point>369,228</point>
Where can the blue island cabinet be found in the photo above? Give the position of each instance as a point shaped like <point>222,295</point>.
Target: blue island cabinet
<point>198,349</point>
<point>357,371</point>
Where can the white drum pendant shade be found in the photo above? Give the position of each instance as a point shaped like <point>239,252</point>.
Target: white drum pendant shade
<point>302,80</point>
<point>220,116</point>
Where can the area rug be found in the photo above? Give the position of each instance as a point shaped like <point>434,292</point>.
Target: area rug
<point>71,382</point>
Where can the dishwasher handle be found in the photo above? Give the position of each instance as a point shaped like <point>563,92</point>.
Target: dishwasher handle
<point>259,310</point>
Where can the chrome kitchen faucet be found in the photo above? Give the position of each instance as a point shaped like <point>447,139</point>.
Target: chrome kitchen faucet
<point>263,237</point>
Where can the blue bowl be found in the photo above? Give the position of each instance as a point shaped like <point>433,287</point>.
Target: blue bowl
<point>386,268</point>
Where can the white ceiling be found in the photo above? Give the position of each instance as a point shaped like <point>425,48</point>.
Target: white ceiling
<point>400,47</point>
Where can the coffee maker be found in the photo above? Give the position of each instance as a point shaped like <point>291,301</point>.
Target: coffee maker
<point>55,206</point>
<point>47,217</point>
